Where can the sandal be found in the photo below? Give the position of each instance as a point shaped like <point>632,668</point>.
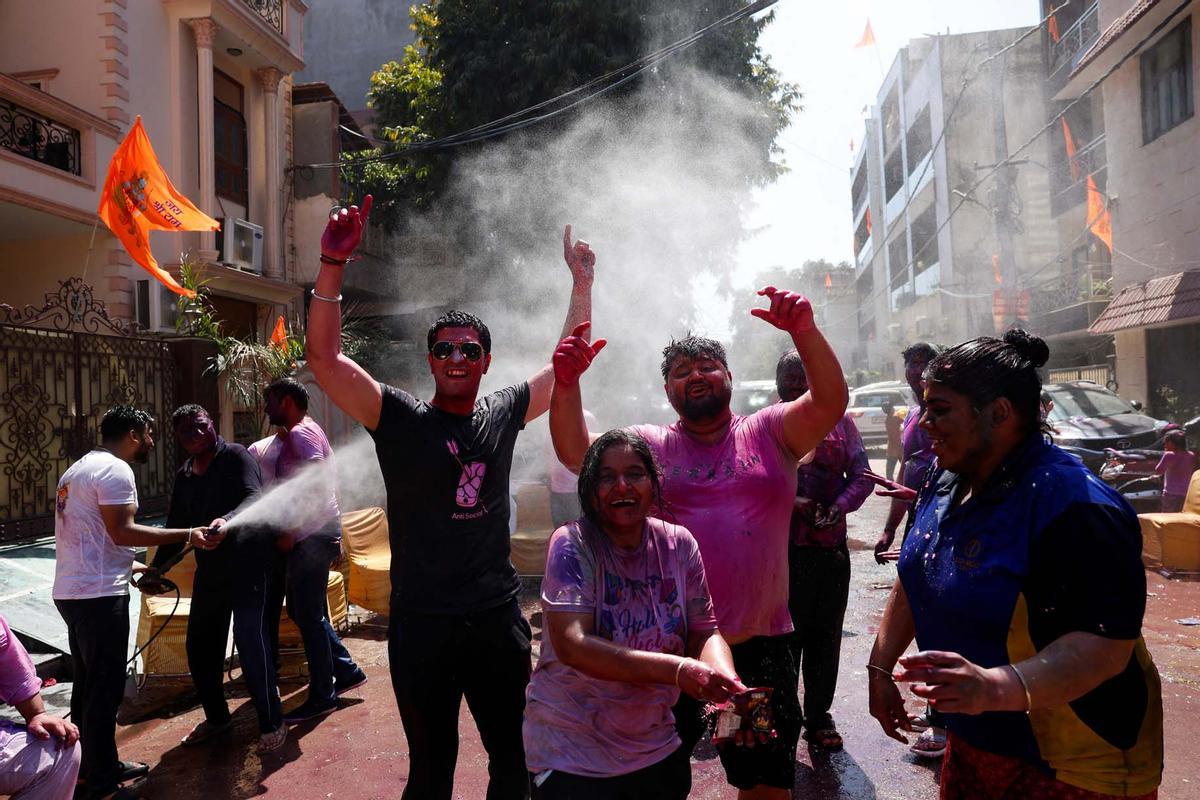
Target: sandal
<point>931,743</point>
<point>826,738</point>
<point>919,723</point>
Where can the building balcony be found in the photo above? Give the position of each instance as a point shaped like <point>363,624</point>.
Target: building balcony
<point>1070,304</point>
<point>1063,56</point>
<point>266,33</point>
<point>270,10</point>
<point>1068,178</point>
<point>51,152</point>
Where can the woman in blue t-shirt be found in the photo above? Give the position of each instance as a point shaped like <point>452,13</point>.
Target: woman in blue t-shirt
<point>1022,582</point>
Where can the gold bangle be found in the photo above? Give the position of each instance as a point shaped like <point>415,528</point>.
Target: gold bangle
<point>883,671</point>
<point>678,671</point>
<point>1025,686</point>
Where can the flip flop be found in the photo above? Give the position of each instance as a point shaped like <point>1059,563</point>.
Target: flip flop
<point>919,723</point>
<point>930,744</point>
<point>825,738</point>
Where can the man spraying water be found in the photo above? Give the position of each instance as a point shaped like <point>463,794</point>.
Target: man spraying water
<point>456,628</point>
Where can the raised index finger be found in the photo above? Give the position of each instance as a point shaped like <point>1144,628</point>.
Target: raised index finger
<point>567,242</point>
<point>366,208</point>
<point>582,328</point>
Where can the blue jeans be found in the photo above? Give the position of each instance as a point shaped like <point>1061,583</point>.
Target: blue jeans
<point>306,585</point>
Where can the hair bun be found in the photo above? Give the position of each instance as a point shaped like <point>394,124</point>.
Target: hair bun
<point>1031,348</point>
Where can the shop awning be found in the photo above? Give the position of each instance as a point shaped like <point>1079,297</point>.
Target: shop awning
<point>1163,300</point>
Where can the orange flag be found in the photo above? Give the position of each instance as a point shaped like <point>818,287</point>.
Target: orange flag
<point>1099,221</point>
<point>138,197</point>
<point>828,281</point>
<point>1070,141</point>
<point>868,37</point>
<point>279,335</point>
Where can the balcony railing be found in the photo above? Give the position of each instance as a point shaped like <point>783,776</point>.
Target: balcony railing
<point>1072,302</point>
<point>37,137</point>
<point>1074,41</point>
<point>1070,175</point>
<point>270,10</point>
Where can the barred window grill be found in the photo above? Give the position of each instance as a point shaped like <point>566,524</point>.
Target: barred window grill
<point>270,10</point>
<point>39,138</point>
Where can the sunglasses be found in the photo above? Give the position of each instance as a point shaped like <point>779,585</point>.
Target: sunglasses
<point>472,351</point>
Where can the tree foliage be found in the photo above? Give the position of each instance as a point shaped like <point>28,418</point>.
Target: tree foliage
<point>474,63</point>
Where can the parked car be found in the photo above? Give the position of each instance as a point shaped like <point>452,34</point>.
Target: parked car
<point>866,408</point>
<point>750,396</point>
<point>1088,416</point>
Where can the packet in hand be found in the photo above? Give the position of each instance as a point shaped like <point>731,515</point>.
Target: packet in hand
<point>748,712</point>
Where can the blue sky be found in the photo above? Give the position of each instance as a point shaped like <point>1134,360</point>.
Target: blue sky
<point>806,214</point>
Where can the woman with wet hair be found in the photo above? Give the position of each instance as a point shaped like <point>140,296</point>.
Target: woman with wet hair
<point>629,625</point>
<point>1022,582</point>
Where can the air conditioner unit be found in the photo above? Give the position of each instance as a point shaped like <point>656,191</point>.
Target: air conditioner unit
<point>241,245</point>
<point>155,306</point>
<point>924,326</point>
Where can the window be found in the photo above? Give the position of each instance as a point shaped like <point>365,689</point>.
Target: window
<point>893,173</point>
<point>924,238</point>
<point>898,260</point>
<point>920,139</point>
<point>891,118</point>
<point>1167,83</point>
<point>858,189</point>
<point>866,286</point>
<point>229,140</point>
<point>863,234</point>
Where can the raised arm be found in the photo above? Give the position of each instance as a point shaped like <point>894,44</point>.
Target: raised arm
<point>350,387</point>
<point>568,428</point>
<point>807,419</point>
<point>582,263</point>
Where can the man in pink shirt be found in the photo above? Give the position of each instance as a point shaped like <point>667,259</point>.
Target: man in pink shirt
<point>731,481</point>
<point>312,545</point>
<point>40,759</point>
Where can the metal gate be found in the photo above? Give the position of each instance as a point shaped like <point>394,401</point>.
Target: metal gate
<point>61,366</point>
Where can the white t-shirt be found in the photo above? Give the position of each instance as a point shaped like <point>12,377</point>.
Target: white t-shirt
<point>88,563</point>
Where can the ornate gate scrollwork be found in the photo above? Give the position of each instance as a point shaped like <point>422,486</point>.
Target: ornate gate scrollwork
<point>61,366</point>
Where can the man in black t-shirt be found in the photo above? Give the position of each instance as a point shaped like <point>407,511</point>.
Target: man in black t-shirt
<point>456,628</point>
<point>232,580</point>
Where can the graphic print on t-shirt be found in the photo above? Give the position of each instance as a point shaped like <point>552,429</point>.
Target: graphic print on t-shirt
<point>630,613</point>
<point>470,481</point>
<point>60,499</point>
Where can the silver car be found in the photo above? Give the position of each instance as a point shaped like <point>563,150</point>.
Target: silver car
<point>866,408</point>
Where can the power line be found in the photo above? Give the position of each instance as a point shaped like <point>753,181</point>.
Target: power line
<point>520,119</point>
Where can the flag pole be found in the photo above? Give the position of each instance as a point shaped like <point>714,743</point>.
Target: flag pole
<point>88,257</point>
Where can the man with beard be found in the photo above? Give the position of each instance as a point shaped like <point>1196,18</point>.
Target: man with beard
<point>456,628</point>
<point>310,550</point>
<point>233,580</point>
<point>95,536</point>
<point>731,481</point>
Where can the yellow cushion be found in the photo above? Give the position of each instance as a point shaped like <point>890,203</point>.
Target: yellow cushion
<point>369,556</point>
<point>1171,541</point>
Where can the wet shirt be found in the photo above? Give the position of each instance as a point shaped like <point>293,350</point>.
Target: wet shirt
<point>447,494</point>
<point>736,497</point>
<point>836,476</point>
<point>1176,469</point>
<point>303,447</point>
<point>916,449</point>
<point>1043,550</point>
<point>87,562</point>
<point>646,598</point>
<point>232,478</point>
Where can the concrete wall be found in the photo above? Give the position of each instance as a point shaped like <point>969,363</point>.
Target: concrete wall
<point>347,40</point>
<point>1132,379</point>
<point>73,49</point>
<point>31,268</point>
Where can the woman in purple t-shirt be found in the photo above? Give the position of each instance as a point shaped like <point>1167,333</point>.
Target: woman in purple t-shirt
<point>1176,466</point>
<point>629,624</point>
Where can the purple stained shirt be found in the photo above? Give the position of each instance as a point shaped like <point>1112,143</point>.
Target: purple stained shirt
<point>283,455</point>
<point>736,497</point>
<point>835,476</point>
<point>18,679</point>
<point>918,450</point>
<point>646,598</point>
<point>1176,469</point>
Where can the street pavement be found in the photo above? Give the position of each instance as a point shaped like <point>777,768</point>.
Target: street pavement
<point>360,752</point>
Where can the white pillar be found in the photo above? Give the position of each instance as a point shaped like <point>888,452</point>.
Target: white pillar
<point>205,30</point>
<point>272,224</point>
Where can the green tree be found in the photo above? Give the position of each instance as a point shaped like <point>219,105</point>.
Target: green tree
<point>756,347</point>
<point>473,63</point>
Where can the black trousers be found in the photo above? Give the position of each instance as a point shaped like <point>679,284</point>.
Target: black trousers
<point>98,635</point>
<point>820,587</point>
<point>234,586</point>
<point>435,662</point>
<point>669,779</point>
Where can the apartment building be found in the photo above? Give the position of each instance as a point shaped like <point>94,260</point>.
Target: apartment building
<point>211,80</point>
<point>940,254</point>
